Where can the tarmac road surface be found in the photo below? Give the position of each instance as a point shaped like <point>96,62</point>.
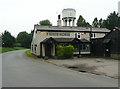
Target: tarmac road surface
<point>22,71</point>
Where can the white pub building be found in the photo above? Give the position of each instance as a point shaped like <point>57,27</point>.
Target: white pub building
<point>46,38</point>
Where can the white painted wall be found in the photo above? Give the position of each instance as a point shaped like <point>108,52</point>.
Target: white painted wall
<point>40,36</point>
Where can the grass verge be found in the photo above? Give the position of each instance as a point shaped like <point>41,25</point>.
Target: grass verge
<point>29,54</point>
<point>6,49</point>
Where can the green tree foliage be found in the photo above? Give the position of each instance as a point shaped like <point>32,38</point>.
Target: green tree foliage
<point>24,39</point>
<point>100,23</point>
<point>32,32</point>
<point>81,22</point>
<point>0,39</point>
<point>112,21</point>
<point>95,23</point>
<point>7,39</point>
<point>45,23</point>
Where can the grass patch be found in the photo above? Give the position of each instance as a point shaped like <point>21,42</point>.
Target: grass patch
<point>29,54</point>
<point>6,49</point>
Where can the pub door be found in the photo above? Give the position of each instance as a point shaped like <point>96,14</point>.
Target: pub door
<point>48,48</point>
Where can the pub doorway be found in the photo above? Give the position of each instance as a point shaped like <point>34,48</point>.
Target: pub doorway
<point>48,50</point>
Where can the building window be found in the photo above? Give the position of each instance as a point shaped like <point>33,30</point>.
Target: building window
<point>32,48</point>
<point>78,35</point>
<point>76,48</point>
<point>35,48</point>
<point>85,47</point>
<point>93,35</point>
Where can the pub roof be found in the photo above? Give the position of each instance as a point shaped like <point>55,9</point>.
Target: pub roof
<point>62,40</point>
<point>70,29</point>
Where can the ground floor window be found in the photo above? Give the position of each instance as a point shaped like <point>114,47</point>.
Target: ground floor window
<point>32,48</point>
<point>85,47</point>
<point>35,47</point>
<point>76,48</point>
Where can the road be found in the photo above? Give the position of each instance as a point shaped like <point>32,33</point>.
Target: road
<point>0,71</point>
<point>22,71</point>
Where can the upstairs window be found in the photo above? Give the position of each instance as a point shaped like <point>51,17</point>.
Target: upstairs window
<point>78,35</point>
<point>93,35</point>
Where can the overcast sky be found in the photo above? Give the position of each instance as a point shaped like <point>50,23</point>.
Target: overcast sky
<point>21,15</point>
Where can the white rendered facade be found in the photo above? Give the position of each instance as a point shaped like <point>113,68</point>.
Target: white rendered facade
<point>43,32</point>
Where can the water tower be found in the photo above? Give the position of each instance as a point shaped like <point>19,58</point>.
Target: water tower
<point>68,17</point>
<point>119,8</point>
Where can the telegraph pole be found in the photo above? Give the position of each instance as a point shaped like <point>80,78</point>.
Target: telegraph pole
<point>90,39</point>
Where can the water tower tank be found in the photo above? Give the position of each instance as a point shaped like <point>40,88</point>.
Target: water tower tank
<point>119,8</point>
<point>68,16</point>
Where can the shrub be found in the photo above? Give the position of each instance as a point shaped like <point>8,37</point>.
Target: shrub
<point>17,45</point>
<point>60,50</point>
<point>68,51</point>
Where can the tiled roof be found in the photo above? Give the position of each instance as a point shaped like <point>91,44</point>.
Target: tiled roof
<point>70,29</point>
<point>64,40</point>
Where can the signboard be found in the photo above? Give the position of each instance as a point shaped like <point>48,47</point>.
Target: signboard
<point>57,34</point>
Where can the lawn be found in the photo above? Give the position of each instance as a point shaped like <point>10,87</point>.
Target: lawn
<point>6,49</point>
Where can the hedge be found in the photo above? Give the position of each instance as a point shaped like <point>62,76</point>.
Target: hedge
<point>66,51</point>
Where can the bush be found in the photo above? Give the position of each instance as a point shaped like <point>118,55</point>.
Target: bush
<point>60,51</point>
<point>17,45</point>
<point>66,51</point>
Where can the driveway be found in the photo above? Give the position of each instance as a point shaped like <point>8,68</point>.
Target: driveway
<point>22,71</point>
<point>99,66</point>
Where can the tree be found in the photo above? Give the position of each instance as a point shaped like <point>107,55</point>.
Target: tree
<point>113,20</point>
<point>95,22</point>
<point>0,39</point>
<point>88,25</point>
<point>24,39</point>
<point>31,34</point>
<point>7,39</point>
<point>45,23</point>
<point>100,22</point>
<point>81,22</point>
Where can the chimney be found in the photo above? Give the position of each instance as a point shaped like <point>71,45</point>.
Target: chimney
<point>58,16</point>
<point>59,21</point>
